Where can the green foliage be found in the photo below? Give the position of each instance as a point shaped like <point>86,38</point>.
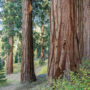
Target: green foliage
<point>17,49</point>
<point>42,61</point>
<point>2,74</point>
<point>36,40</point>
<point>11,16</point>
<point>41,13</point>
<point>79,81</point>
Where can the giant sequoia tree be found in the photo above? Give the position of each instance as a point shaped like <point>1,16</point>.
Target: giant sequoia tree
<point>64,52</point>
<point>27,69</point>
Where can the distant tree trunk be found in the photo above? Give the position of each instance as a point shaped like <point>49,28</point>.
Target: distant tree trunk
<point>64,47</point>
<point>86,36</point>
<point>42,43</point>
<point>27,68</point>
<point>9,61</point>
<point>10,57</point>
<point>7,64</point>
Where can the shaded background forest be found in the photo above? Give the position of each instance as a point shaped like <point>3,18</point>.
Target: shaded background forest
<point>12,26</point>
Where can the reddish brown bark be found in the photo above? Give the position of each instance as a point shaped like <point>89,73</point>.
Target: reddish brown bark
<point>64,47</point>
<point>86,35</point>
<point>42,43</point>
<point>10,57</point>
<point>27,68</point>
<point>82,9</point>
<point>9,61</point>
<point>79,25</point>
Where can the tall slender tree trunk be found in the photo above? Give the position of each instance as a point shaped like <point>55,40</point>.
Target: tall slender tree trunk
<point>7,64</point>
<point>27,68</point>
<point>64,47</point>
<point>86,36</point>
<point>42,43</point>
<point>10,57</point>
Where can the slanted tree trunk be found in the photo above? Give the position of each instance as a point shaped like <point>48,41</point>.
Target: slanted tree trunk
<point>27,68</point>
<point>64,47</point>
<point>10,57</point>
<point>86,36</point>
<point>42,43</point>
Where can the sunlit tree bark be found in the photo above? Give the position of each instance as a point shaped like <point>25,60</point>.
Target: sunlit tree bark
<point>86,35</point>
<point>27,68</point>
<point>64,52</point>
<point>10,57</point>
<point>42,43</point>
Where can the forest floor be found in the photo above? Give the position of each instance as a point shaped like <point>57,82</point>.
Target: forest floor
<point>80,81</point>
<point>15,84</point>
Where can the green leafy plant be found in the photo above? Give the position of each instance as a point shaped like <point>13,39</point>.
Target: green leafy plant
<point>79,81</point>
<point>2,74</point>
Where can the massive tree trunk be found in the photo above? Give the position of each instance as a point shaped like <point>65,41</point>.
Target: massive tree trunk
<point>64,47</point>
<point>86,36</point>
<point>27,68</point>
<point>10,57</point>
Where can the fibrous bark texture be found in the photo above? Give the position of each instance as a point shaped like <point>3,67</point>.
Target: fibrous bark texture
<point>27,68</point>
<point>79,24</point>
<point>10,57</point>
<point>86,35</point>
<point>9,61</point>
<point>64,47</point>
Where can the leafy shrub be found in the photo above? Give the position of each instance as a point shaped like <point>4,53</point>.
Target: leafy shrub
<point>79,81</point>
<point>2,74</point>
<point>41,62</point>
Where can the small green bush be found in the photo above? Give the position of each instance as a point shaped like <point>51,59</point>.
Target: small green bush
<point>2,74</point>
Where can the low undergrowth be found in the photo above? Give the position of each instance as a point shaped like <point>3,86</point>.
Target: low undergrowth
<point>43,70</point>
<point>79,81</point>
